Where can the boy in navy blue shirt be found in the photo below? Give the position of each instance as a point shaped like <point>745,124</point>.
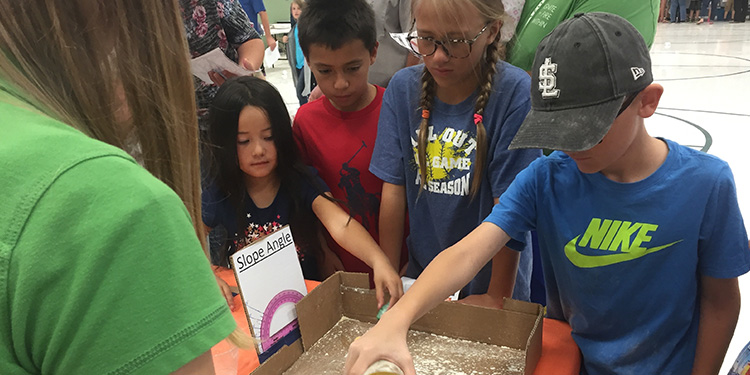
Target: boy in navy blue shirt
<point>641,239</point>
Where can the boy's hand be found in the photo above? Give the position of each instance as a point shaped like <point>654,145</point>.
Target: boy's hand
<point>385,277</point>
<point>381,342</point>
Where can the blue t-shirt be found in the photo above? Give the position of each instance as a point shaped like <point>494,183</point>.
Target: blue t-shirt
<point>219,210</point>
<point>622,262</point>
<point>445,212</point>
<point>252,7</point>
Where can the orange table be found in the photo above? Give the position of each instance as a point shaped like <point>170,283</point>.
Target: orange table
<point>560,355</point>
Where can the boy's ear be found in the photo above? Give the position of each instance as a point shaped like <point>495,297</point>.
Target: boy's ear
<point>650,97</point>
<point>374,53</point>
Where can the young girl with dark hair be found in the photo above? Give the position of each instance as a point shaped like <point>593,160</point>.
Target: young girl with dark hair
<point>442,141</point>
<point>260,185</point>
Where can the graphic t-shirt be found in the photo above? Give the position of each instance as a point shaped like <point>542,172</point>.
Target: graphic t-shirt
<point>622,262</point>
<point>445,212</point>
<point>339,145</point>
<point>219,210</point>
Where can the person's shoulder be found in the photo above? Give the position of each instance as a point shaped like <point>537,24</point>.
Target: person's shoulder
<point>697,162</point>
<point>311,110</point>
<point>508,74</point>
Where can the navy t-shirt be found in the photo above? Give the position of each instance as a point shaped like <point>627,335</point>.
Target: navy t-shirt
<point>218,210</point>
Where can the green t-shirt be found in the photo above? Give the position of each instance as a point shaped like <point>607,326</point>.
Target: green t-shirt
<point>540,17</point>
<point>100,269</point>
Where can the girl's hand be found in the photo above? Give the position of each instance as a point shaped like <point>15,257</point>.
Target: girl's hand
<point>385,277</point>
<point>226,292</point>
<point>381,342</point>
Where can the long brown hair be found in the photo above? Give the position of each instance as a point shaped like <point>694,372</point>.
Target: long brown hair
<point>491,10</point>
<point>89,64</point>
<point>116,70</point>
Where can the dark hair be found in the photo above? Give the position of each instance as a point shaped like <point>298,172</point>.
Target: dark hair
<point>332,23</point>
<point>234,95</point>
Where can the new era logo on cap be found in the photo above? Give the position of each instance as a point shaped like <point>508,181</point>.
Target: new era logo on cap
<point>637,72</point>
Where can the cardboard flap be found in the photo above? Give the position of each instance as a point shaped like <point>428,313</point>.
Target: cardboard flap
<point>319,310</point>
<point>534,343</point>
<point>281,360</point>
<point>521,306</point>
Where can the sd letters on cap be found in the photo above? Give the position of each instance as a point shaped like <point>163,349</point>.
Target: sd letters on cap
<point>583,71</point>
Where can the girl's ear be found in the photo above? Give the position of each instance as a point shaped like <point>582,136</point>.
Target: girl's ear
<point>494,30</point>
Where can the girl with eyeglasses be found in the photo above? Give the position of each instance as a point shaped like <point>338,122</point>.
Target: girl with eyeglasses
<point>442,141</point>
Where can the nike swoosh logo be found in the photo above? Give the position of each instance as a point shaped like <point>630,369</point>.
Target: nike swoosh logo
<point>592,261</point>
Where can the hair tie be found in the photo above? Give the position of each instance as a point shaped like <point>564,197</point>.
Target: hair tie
<point>477,118</point>
<point>425,113</point>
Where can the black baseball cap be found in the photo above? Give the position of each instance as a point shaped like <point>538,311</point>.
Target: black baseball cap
<point>583,72</point>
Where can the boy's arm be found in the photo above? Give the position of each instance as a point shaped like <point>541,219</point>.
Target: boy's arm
<point>391,221</point>
<point>719,311</point>
<point>449,271</point>
<point>353,237</point>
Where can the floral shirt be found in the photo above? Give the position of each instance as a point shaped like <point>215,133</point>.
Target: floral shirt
<point>210,24</point>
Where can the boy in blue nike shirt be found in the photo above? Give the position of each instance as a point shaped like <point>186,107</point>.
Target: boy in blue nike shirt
<point>641,239</point>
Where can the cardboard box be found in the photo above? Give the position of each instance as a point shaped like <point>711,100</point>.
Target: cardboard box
<point>518,325</point>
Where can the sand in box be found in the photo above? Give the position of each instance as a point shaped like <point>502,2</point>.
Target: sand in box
<point>433,354</point>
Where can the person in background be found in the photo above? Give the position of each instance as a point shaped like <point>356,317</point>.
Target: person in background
<point>729,7</point>
<point>254,10</point>
<point>539,17</point>
<point>102,249</point>
<point>391,16</point>
<point>303,79</point>
<point>211,24</point>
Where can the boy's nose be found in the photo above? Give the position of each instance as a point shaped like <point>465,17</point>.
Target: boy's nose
<point>340,83</point>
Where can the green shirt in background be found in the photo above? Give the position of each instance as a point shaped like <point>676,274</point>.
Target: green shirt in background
<point>540,17</point>
<point>100,268</point>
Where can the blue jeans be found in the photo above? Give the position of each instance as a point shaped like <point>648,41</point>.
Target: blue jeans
<point>673,10</point>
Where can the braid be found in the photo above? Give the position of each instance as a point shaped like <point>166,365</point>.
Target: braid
<point>428,94</point>
<point>492,55</point>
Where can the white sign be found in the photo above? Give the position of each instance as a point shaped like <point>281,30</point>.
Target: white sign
<point>270,280</point>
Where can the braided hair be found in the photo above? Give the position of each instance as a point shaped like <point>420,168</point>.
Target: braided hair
<point>493,53</point>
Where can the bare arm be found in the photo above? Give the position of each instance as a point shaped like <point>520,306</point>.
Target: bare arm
<point>353,237</point>
<point>203,364</point>
<point>719,311</point>
<point>251,54</point>
<point>267,28</point>
<point>391,221</point>
<point>449,271</point>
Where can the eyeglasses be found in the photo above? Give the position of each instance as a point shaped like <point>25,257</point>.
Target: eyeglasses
<point>456,48</point>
